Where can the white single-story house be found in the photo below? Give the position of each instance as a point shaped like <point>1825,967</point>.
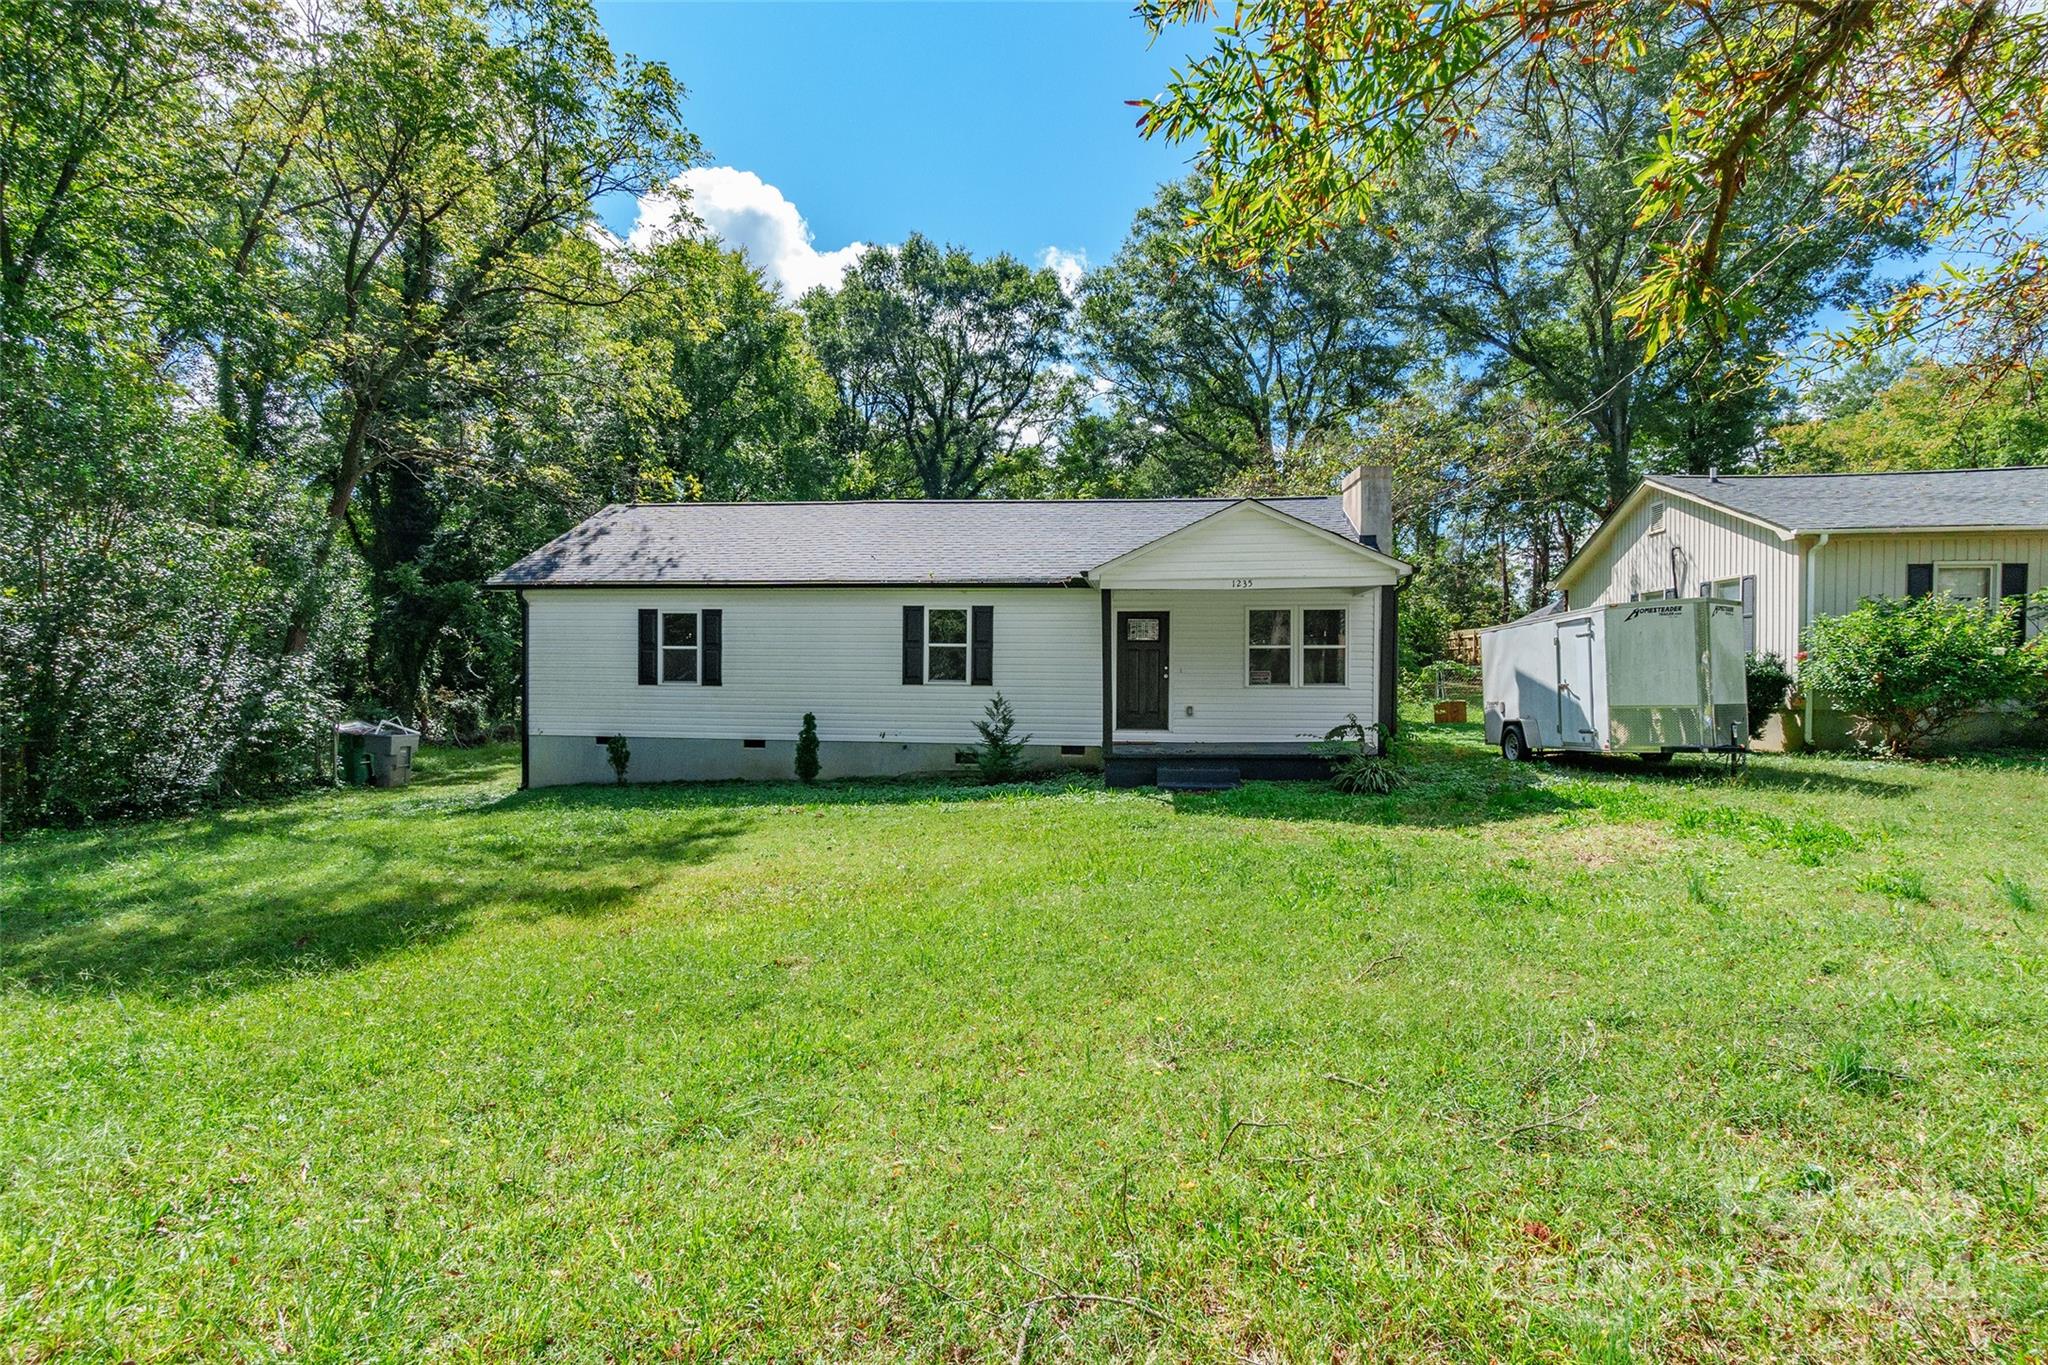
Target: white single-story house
<point>1218,637</point>
<point>1796,547</point>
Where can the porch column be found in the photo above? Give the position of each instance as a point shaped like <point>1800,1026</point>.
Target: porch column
<point>1390,658</point>
<point>1108,662</point>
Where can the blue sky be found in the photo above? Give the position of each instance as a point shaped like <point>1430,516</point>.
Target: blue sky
<point>998,126</point>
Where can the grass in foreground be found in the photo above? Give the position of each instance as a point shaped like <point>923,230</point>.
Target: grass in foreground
<point>1589,1063</point>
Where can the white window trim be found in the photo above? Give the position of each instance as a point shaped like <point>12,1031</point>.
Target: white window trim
<point>662,648</point>
<point>1991,576</point>
<point>965,646</point>
<point>1297,648</point>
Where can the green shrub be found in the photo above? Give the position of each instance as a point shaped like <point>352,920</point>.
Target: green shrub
<point>1909,669</point>
<point>1000,755</point>
<point>1768,680</point>
<point>619,756</point>
<point>1355,768</point>
<point>807,749</point>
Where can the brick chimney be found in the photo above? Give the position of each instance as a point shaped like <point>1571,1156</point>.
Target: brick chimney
<point>1369,505</point>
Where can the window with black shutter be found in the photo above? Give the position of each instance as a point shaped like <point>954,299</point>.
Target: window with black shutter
<point>2012,583</point>
<point>949,645</point>
<point>1919,580</point>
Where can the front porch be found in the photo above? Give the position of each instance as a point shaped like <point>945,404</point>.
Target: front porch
<point>1232,646</point>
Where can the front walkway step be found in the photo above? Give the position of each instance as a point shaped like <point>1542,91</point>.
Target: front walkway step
<point>1197,777</point>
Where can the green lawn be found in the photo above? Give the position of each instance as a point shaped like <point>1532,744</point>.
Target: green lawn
<point>1540,1063</point>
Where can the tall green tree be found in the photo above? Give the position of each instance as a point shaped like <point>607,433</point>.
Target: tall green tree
<point>739,406</point>
<point>948,369</point>
<point>1308,113</point>
<point>456,144</point>
<point>1217,373</point>
<point>139,608</point>
<point>1523,243</point>
<point>1929,417</point>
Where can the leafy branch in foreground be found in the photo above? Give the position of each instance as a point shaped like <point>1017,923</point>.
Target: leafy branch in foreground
<point>1309,113</point>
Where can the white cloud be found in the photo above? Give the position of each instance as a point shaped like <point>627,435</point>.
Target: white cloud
<point>1070,266</point>
<point>746,213</point>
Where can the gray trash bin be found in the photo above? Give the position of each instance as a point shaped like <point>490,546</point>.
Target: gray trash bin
<point>388,746</point>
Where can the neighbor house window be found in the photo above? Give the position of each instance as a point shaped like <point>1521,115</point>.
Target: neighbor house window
<point>1271,650</point>
<point>1322,646</point>
<point>945,644</point>
<point>1727,589</point>
<point>1966,582</point>
<point>679,646</point>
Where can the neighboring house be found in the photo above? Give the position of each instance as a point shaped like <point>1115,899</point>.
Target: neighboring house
<point>1225,633</point>
<point>1794,547</point>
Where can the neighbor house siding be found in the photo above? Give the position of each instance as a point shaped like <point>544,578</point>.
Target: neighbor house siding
<point>1206,667</point>
<point>1850,568</point>
<point>1698,546</point>
<point>834,652</point>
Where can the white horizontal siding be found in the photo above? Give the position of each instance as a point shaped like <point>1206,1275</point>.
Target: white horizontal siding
<point>835,652</point>
<point>1698,546</point>
<point>1207,639</point>
<point>1246,542</point>
<point>1850,568</point>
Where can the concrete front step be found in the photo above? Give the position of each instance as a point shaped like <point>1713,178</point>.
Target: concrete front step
<point>1197,777</point>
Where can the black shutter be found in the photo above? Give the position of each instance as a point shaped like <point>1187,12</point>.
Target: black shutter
<point>984,666</point>
<point>2012,582</point>
<point>1749,613</point>
<point>650,651</point>
<point>711,638</point>
<point>1919,580</point>
<point>913,645</point>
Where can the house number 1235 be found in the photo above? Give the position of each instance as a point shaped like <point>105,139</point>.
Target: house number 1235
<point>1240,582</point>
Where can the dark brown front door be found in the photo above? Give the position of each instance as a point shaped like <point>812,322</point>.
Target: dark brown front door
<point>1141,670</point>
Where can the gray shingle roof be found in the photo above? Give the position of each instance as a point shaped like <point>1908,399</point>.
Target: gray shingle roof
<point>1840,502</point>
<point>979,542</point>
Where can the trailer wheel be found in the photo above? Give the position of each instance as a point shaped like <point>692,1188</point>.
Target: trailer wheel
<point>1513,747</point>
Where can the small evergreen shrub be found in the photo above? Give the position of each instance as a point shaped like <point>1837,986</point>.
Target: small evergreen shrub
<point>619,756</point>
<point>807,749</point>
<point>1000,755</point>
<point>1355,768</point>
<point>1768,680</point>
<point>1909,669</point>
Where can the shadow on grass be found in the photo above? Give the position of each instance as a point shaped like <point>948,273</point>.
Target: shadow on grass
<point>1451,783</point>
<point>226,902</point>
<point>744,794</point>
<point>1692,770</point>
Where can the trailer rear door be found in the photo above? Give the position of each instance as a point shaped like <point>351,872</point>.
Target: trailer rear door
<point>1576,675</point>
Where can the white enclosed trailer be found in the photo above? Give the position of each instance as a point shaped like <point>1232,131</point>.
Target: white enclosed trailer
<point>1651,678</point>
